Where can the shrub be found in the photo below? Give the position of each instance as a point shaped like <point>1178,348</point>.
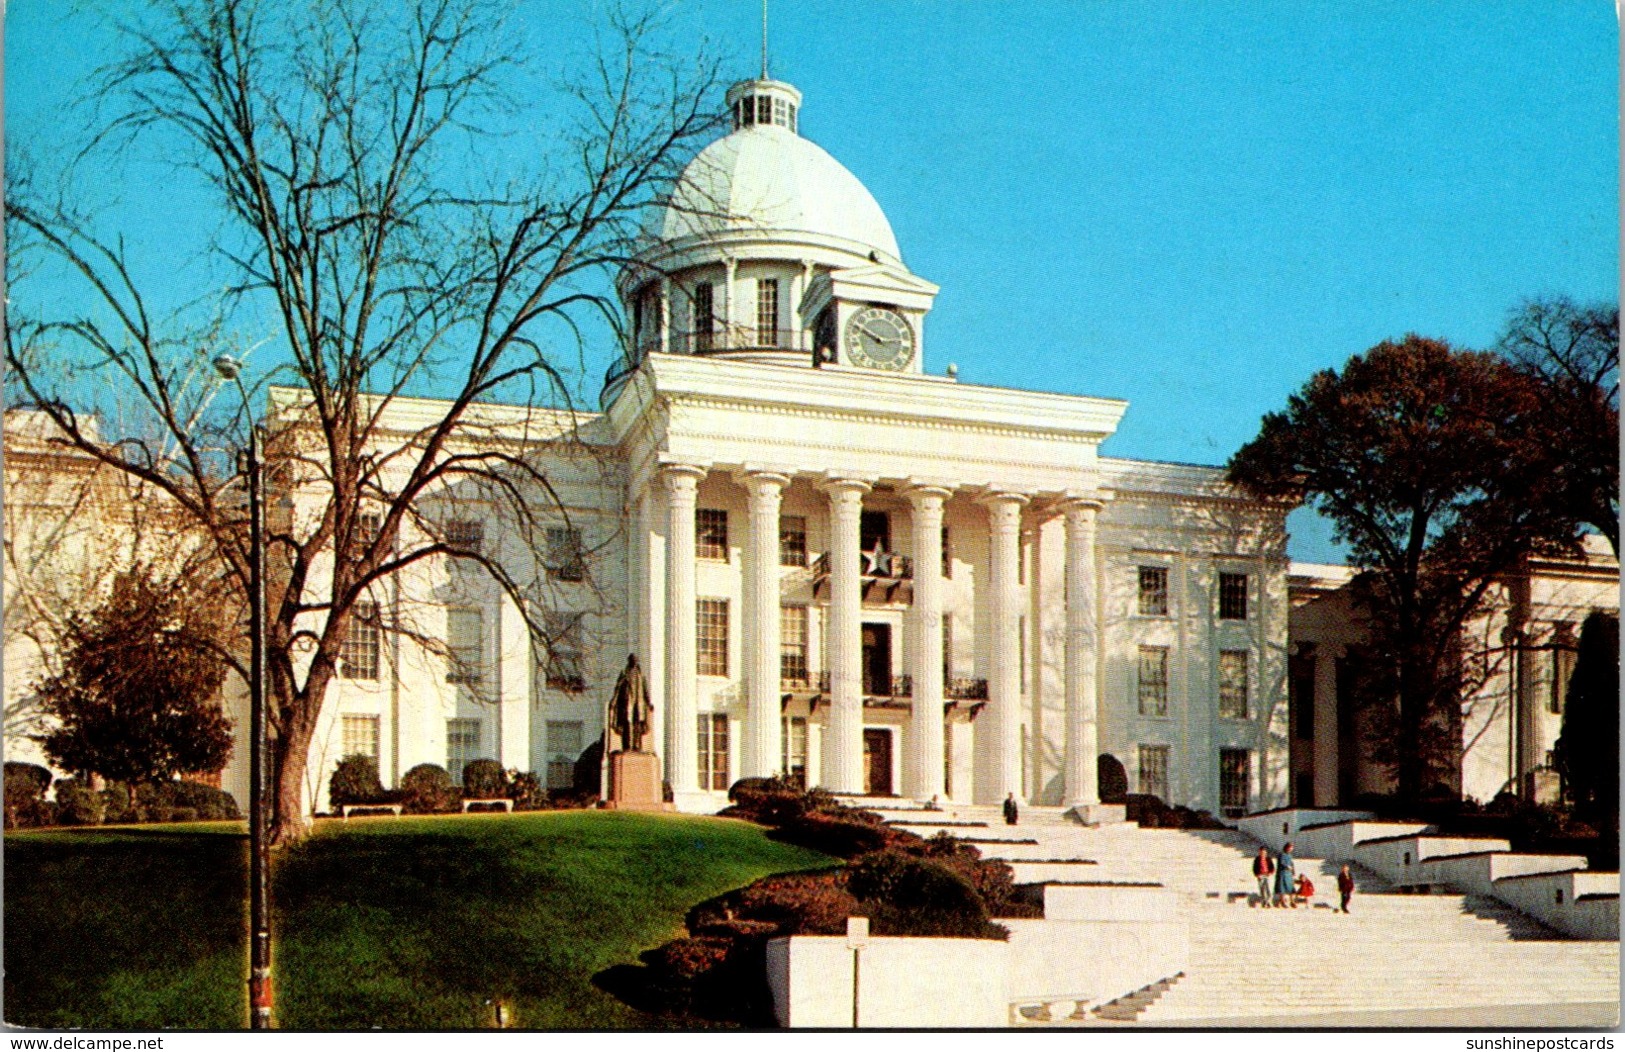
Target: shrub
<point>587,777</point>
<point>838,836</point>
<point>427,789</point>
<point>77,804</point>
<point>118,803</point>
<point>25,786</point>
<point>484,779</point>
<point>207,803</point>
<point>527,791</point>
<point>915,896</point>
<point>355,781</point>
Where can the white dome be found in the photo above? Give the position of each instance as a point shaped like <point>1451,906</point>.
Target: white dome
<point>767,178</point>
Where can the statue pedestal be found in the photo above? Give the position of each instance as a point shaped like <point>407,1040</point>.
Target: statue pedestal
<point>634,782</point>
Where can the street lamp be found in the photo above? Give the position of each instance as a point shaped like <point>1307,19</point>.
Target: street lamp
<point>259,864</point>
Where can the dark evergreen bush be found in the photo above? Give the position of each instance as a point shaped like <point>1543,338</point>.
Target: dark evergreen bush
<point>907,895</point>
<point>527,792</point>
<point>484,779</point>
<point>118,804</point>
<point>427,789</point>
<point>205,801</point>
<point>25,786</point>
<point>77,804</point>
<point>355,781</point>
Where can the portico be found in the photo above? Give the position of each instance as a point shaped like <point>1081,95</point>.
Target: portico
<point>843,447</point>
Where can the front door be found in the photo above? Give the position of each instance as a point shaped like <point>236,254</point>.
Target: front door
<point>877,761</point>
<point>877,660</point>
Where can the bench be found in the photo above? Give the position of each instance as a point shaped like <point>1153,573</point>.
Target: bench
<point>345,810</point>
<point>501,801</point>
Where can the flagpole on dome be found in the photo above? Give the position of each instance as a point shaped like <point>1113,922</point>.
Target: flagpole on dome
<point>764,40</point>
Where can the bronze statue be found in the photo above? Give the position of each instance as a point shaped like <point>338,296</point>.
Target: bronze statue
<point>629,708</point>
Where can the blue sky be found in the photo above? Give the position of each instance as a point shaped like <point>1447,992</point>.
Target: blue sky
<point>1190,206</point>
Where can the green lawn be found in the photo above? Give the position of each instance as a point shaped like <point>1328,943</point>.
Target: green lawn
<point>409,923</point>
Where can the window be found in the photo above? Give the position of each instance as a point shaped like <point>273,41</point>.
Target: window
<point>713,750</point>
<point>361,737</point>
<point>358,656</point>
<point>566,555</point>
<point>794,749</point>
<point>874,528</point>
<point>764,109</point>
<point>465,639</point>
<point>705,318</point>
<point>1300,685</point>
<point>746,111</point>
<point>563,749</point>
<point>791,123</point>
<point>1235,771</point>
<point>1233,684</point>
<point>466,535</point>
<point>1154,591</point>
<point>1154,771</point>
<point>792,540</point>
<point>780,113</point>
<point>367,525</point>
<point>947,556</point>
<point>462,746</point>
<point>793,645</point>
<point>711,533</point>
<point>564,653</point>
<point>767,312</point>
<point>1153,681</point>
<point>1233,596</point>
<point>712,637</point>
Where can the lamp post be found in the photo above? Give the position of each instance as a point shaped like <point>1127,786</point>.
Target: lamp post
<point>259,863</point>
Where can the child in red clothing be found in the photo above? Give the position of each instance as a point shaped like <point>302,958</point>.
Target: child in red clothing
<point>1303,892</point>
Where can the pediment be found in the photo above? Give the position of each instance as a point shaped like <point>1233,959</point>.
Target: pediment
<point>870,283</point>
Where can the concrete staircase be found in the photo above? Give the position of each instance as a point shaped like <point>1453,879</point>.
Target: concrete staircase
<point>1393,953</point>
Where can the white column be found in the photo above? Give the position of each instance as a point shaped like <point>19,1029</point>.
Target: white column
<point>729,322</point>
<point>665,315</point>
<point>762,696</point>
<point>843,733</point>
<point>649,584</point>
<point>1003,715</point>
<point>923,777</point>
<point>682,760</point>
<point>1082,706</point>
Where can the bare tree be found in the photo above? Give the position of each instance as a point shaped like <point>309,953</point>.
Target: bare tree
<point>341,145</point>
<point>1573,354</point>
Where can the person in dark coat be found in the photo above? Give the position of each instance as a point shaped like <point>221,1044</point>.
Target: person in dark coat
<point>1012,813</point>
<point>1345,888</point>
<point>1264,873</point>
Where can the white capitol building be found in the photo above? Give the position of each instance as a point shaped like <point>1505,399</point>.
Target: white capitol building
<point>834,563</point>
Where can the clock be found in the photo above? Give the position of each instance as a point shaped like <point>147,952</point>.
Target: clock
<point>879,338</point>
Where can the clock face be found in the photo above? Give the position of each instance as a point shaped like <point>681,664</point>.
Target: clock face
<point>879,338</point>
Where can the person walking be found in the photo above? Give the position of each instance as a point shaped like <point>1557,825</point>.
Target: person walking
<point>1264,873</point>
<point>1286,876</point>
<point>1345,887</point>
<point>1011,812</point>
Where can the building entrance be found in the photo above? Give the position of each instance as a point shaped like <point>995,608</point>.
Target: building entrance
<point>877,761</point>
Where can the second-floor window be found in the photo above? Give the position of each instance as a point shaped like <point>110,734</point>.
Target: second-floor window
<point>358,657</point>
<point>711,638</point>
<point>792,540</point>
<point>711,533</point>
<point>465,639</point>
<point>1233,684</point>
<point>564,652</point>
<point>1153,681</point>
<point>566,555</point>
<point>793,645</point>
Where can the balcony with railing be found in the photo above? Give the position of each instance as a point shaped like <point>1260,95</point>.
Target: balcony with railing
<point>721,339</point>
<point>884,690</point>
<point>887,578</point>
